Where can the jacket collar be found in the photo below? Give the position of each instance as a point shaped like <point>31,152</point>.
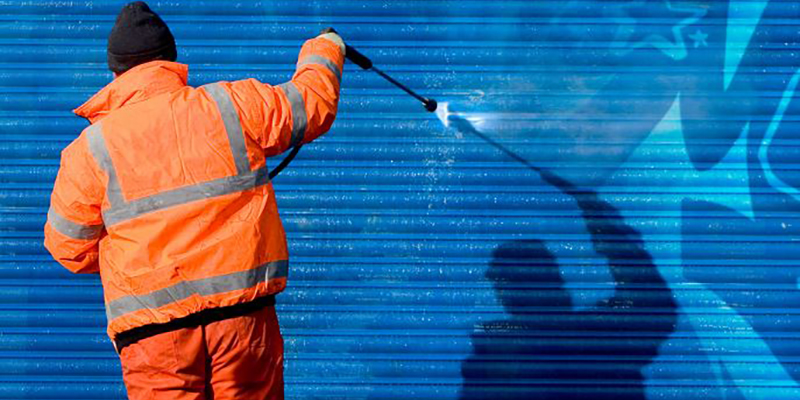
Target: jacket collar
<point>140,83</point>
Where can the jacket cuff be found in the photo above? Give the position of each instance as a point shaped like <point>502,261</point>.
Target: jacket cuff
<point>335,38</point>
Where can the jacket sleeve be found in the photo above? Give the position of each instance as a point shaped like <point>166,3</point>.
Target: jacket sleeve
<point>74,222</point>
<point>299,111</point>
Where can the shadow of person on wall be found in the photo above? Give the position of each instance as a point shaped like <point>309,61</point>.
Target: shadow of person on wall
<point>545,349</point>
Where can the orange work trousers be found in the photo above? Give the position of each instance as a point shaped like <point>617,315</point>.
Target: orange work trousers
<point>237,358</point>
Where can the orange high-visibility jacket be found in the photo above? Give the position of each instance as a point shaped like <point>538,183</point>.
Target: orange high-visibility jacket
<point>167,193</point>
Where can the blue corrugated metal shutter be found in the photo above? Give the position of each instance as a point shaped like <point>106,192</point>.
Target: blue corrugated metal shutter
<point>612,212</point>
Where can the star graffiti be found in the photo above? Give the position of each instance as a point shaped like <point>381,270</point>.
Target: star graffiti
<point>653,23</point>
<point>699,38</point>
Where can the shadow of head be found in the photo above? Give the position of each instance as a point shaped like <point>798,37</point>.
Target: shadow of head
<point>526,274</point>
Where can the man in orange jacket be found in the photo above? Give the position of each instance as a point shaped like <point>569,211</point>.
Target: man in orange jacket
<point>167,196</point>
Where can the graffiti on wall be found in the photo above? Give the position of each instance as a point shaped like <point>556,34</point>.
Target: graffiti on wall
<point>688,118</point>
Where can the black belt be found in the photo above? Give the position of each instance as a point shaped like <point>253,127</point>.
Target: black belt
<point>204,317</point>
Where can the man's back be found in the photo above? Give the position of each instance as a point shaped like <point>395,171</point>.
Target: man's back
<point>186,183</point>
<point>187,199</point>
<point>177,178</point>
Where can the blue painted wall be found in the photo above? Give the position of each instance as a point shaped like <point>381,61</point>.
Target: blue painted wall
<point>610,212</point>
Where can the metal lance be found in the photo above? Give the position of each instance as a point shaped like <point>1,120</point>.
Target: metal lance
<point>365,63</point>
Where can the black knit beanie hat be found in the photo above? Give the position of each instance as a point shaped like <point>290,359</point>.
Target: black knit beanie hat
<point>139,36</point>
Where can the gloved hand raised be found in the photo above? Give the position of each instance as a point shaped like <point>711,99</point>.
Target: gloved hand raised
<point>331,34</point>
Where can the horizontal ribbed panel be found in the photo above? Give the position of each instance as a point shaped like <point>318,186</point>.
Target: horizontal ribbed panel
<point>611,212</point>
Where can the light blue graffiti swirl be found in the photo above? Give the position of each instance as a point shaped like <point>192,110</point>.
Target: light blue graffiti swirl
<point>773,179</point>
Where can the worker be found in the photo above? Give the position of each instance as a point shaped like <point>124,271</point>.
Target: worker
<point>166,195</point>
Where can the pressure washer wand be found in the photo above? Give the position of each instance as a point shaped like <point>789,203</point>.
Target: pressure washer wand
<point>362,61</point>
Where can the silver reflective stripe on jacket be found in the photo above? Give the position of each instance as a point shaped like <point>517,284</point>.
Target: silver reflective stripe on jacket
<point>233,126</point>
<point>330,65</point>
<point>98,148</point>
<point>187,194</point>
<point>299,116</point>
<point>202,287</point>
<point>72,229</point>
<point>121,210</point>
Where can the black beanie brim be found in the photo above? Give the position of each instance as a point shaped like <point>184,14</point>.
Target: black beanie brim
<point>122,63</point>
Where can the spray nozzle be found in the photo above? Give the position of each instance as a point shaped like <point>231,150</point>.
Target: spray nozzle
<point>430,105</point>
